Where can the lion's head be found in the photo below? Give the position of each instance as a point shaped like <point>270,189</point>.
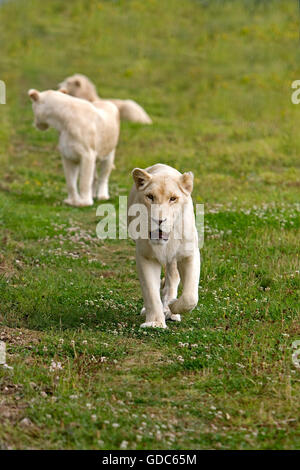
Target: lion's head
<point>164,194</point>
<point>80,86</point>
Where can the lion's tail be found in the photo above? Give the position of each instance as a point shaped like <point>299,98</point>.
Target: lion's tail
<point>132,111</point>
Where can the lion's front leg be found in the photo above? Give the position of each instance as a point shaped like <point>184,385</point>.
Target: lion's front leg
<point>189,269</point>
<point>149,275</point>
<point>87,171</point>
<point>71,170</point>
<point>169,291</point>
<point>106,166</point>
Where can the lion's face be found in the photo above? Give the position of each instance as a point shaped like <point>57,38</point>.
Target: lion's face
<point>164,197</point>
<point>39,109</point>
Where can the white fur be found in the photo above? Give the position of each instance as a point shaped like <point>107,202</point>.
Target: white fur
<point>86,134</point>
<point>162,182</point>
<point>81,86</point>
<point>130,110</point>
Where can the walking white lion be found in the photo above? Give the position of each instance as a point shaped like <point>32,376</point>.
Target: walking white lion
<point>168,236</point>
<point>87,134</point>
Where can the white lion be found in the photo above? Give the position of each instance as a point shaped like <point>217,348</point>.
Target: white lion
<point>81,86</point>
<point>170,239</point>
<point>86,134</point>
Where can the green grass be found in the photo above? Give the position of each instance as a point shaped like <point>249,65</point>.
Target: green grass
<point>215,76</point>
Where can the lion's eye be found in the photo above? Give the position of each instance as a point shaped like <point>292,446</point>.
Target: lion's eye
<point>150,196</point>
<point>173,198</point>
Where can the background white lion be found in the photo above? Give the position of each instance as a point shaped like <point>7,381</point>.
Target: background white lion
<point>86,134</point>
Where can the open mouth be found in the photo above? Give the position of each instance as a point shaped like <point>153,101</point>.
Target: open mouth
<point>42,126</point>
<point>159,235</point>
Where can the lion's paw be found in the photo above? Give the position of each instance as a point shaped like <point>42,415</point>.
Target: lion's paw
<point>85,202</point>
<point>71,202</point>
<point>153,324</point>
<point>171,316</point>
<point>102,197</point>
<point>78,202</point>
<point>175,317</point>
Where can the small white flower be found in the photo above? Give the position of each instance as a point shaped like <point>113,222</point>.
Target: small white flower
<point>55,366</point>
<point>240,365</point>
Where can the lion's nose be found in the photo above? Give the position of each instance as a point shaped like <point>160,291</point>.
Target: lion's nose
<point>159,221</point>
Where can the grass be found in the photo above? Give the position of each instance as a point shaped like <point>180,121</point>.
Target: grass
<point>216,79</point>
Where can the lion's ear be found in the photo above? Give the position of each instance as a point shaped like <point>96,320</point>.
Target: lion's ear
<point>141,178</point>
<point>63,90</point>
<point>33,94</point>
<point>187,182</point>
